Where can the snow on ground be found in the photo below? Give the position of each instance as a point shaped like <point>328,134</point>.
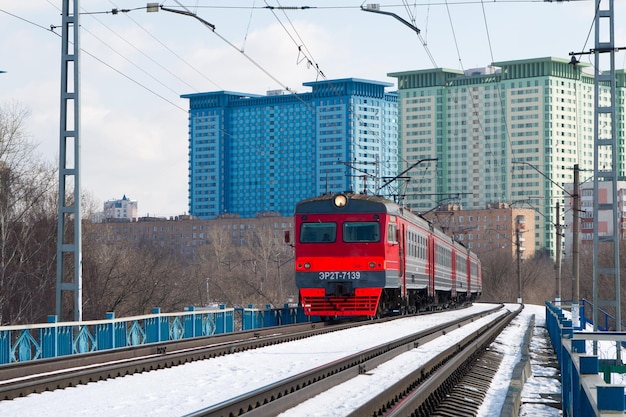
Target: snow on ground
<point>509,344</point>
<point>541,395</point>
<point>187,388</point>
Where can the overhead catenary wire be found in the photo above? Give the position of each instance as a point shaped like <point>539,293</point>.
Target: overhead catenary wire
<point>302,48</point>
<point>475,114</point>
<point>589,35</point>
<point>503,118</point>
<point>404,4</point>
<point>173,52</point>
<point>245,38</point>
<point>312,63</point>
<point>248,57</point>
<point>51,29</point>
<point>138,67</point>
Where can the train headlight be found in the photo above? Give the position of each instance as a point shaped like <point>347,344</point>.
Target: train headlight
<point>307,265</point>
<point>340,200</point>
<point>372,265</point>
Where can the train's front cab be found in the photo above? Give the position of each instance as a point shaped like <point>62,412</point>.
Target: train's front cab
<point>340,255</point>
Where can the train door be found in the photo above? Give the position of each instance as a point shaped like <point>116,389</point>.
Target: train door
<point>402,266</point>
<point>453,274</point>
<point>468,277</point>
<point>430,264</point>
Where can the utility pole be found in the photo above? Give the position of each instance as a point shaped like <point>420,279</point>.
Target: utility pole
<point>575,237</point>
<point>557,265</point>
<point>69,252</point>
<point>518,231</point>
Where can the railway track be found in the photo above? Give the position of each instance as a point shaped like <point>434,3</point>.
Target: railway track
<point>451,384</point>
<point>278,397</point>
<point>21,379</point>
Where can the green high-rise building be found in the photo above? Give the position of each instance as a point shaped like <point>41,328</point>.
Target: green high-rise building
<point>510,132</point>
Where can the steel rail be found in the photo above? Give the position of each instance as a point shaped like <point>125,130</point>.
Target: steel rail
<point>285,394</point>
<point>421,391</point>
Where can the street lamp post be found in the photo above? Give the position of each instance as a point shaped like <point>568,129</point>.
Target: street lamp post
<point>518,230</point>
<point>557,298</point>
<point>575,250</point>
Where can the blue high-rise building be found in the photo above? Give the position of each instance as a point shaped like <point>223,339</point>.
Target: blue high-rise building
<point>250,154</point>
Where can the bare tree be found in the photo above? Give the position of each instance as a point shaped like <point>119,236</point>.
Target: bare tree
<point>501,280</point>
<point>214,267</point>
<point>27,222</point>
<point>498,277</point>
<point>538,279</point>
<point>264,249</point>
<point>131,278</point>
<point>256,271</point>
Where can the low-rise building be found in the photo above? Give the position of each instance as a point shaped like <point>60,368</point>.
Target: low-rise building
<point>186,233</point>
<point>605,217</point>
<point>498,227</point>
<point>120,210</point>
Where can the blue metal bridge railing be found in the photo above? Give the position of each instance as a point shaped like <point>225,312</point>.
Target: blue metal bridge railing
<point>53,339</point>
<point>583,390</point>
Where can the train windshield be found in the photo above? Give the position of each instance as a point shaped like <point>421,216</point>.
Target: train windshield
<point>361,232</point>
<point>318,232</point>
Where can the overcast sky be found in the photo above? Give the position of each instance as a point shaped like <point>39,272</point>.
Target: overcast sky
<point>135,65</point>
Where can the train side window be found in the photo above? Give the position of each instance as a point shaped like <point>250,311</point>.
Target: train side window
<point>318,232</point>
<point>392,233</point>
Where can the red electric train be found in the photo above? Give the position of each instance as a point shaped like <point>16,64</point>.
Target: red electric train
<point>363,255</point>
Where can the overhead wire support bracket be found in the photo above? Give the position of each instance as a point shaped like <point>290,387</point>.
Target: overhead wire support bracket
<point>375,8</point>
<point>405,171</point>
<point>154,7</point>
<point>289,7</point>
<point>543,175</point>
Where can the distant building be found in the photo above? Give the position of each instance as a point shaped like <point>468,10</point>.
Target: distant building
<point>605,220</point>
<point>494,228</point>
<point>252,153</point>
<point>120,210</point>
<point>185,234</point>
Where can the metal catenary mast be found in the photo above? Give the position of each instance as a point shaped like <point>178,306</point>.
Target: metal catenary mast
<point>69,253</point>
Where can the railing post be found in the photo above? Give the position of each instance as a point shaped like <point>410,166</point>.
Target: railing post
<point>230,320</point>
<point>153,327</point>
<point>5,347</point>
<point>583,319</point>
<point>269,316</point>
<point>220,320</point>
<point>285,315</point>
<point>105,333</point>
<point>611,398</point>
<point>49,339</point>
<point>189,323</point>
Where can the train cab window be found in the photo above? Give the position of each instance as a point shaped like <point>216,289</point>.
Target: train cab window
<point>318,232</point>
<point>361,232</point>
